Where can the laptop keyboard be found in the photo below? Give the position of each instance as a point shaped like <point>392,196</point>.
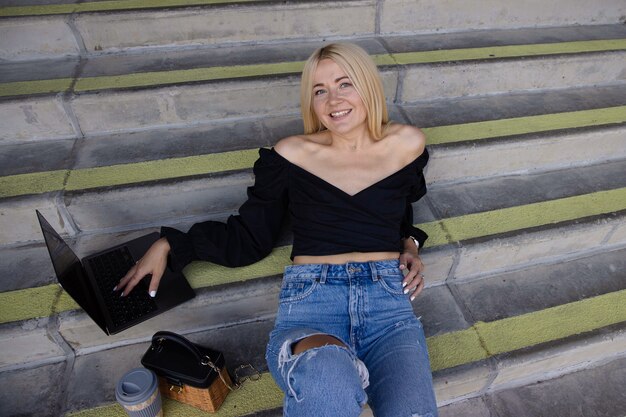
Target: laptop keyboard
<point>108,269</point>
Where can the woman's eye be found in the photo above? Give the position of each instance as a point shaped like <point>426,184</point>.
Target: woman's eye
<point>344,85</point>
<point>318,92</point>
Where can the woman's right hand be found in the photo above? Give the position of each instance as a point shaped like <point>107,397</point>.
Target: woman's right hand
<point>154,262</point>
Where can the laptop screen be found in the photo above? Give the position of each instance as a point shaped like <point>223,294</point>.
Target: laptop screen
<point>69,271</point>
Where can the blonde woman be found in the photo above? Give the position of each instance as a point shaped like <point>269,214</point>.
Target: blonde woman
<point>345,333</point>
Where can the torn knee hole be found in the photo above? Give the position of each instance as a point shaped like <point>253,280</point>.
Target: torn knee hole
<point>315,341</point>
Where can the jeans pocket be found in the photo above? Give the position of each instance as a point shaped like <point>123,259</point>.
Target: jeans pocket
<point>391,282</point>
<point>294,290</point>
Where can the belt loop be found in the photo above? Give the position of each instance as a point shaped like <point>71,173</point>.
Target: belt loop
<point>322,279</point>
<point>373,271</point>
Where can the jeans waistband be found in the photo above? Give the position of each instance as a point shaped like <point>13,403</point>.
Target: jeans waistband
<point>349,269</point>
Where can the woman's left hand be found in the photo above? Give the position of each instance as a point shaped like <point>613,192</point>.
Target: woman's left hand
<point>412,267</point>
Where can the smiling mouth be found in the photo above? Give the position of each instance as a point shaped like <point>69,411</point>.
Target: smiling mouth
<point>340,113</point>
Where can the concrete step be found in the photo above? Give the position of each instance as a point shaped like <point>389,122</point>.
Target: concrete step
<point>585,392</point>
<point>113,28</point>
<point>123,118</point>
<point>468,358</point>
<point>262,90</point>
<point>163,60</point>
<point>539,143</point>
<point>556,223</point>
<point>99,198</point>
<point>445,122</point>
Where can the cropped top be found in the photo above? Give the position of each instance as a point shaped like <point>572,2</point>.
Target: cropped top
<point>325,220</point>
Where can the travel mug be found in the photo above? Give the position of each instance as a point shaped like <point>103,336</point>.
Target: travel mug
<point>138,392</point>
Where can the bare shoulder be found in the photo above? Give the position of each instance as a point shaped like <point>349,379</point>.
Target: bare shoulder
<point>288,146</point>
<point>409,139</point>
<point>298,147</point>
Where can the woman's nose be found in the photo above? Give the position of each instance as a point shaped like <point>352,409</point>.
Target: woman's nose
<point>334,96</point>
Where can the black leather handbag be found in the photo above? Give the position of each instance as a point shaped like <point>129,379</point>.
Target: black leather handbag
<point>188,372</point>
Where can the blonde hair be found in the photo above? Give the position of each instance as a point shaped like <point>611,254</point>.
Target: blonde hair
<point>363,73</point>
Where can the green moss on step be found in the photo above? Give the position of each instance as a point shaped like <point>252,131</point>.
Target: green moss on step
<point>508,51</point>
<point>28,303</point>
<point>524,125</point>
<point>139,172</point>
<point>455,348</point>
<point>553,323</point>
<point>146,79</point>
<point>533,215</point>
<point>26,88</point>
<point>34,183</point>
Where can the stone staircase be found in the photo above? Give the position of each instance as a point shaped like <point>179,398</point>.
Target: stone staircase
<point>120,116</point>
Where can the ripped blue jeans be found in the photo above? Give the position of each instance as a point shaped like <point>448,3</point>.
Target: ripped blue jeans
<point>385,362</point>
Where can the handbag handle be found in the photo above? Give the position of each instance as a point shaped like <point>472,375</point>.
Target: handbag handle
<point>204,360</point>
<point>159,337</point>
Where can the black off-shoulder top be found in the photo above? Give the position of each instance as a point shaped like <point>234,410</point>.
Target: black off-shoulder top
<point>325,220</point>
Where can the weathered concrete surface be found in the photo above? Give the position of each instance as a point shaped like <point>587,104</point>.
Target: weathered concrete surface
<point>525,155</point>
<point>25,267</point>
<point>44,387</point>
<point>184,105</point>
<point>618,235</point>
<point>593,392</point>
<point>32,38</point>
<point>473,407</point>
<point>543,286</point>
<point>202,56</point>
<point>512,105</point>
<point>190,104</point>
<point>26,157</point>
<point>399,16</point>
<point>199,57</point>
<point>130,147</point>
<point>424,82</point>
<point>18,220</point>
<point>452,385</point>
<point>551,362</point>
<point>530,248</point>
<point>33,119</point>
<point>509,191</point>
<point>438,264</point>
<point>477,38</point>
<point>226,24</point>
<point>29,345</point>
<point>160,203</point>
<point>32,366</point>
<point>439,311</point>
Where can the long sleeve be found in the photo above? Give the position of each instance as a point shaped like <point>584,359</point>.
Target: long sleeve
<point>418,190</point>
<point>245,238</point>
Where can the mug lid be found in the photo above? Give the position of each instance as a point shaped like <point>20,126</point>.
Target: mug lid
<point>136,386</point>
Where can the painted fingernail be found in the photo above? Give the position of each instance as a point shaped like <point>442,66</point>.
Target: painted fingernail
<point>404,284</point>
<point>412,297</point>
<point>115,288</point>
<point>406,291</point>
<point>153,294</point>
<point>122,294</point>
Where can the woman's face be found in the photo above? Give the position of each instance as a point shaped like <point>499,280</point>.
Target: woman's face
<point>336,102</point>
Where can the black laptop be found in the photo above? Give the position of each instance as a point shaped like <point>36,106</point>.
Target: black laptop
<point>90,281</point>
